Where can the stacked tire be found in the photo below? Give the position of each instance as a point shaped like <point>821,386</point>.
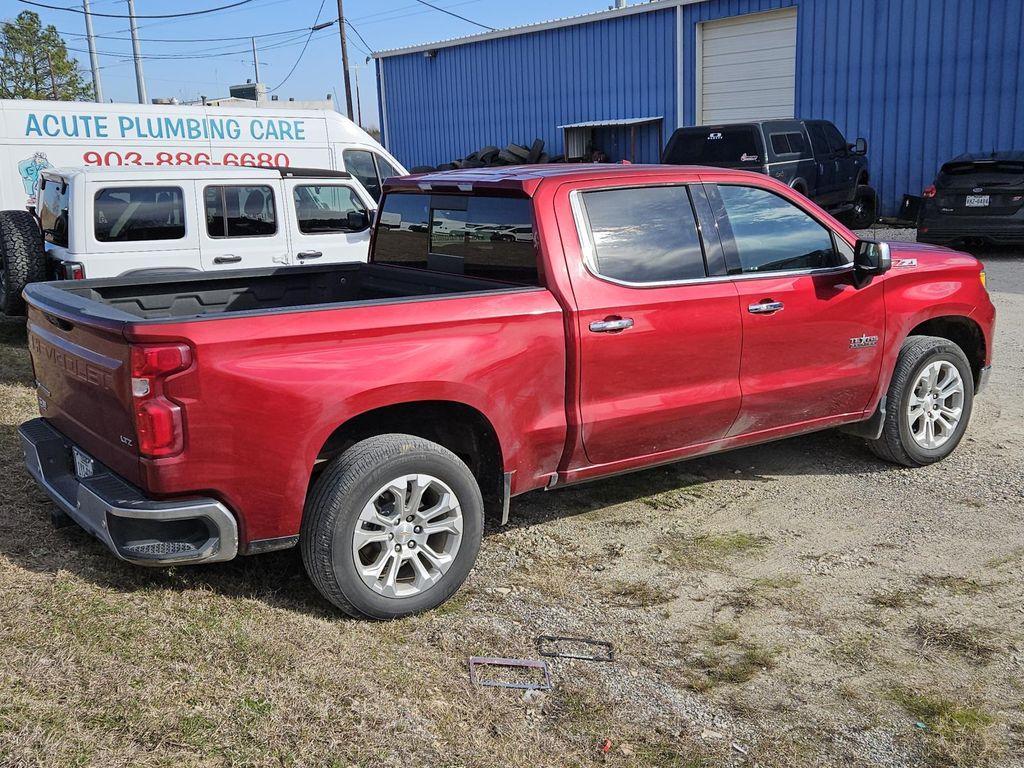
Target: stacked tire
<point>22,259</point>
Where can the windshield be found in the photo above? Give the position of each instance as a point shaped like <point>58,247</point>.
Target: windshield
<point>727,146</point>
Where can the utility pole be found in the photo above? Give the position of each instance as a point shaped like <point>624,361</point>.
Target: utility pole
<point>94,62</point>
<point>255,60</point>
<point>344,60</point>
<point>140,80</point>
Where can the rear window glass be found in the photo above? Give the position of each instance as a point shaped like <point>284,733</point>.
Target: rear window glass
<point>967,172</point>
<point>737,146</point>
<point>132,214</point>
<point>53,212</point>
<point>488,237</point>
<point>240,211</point>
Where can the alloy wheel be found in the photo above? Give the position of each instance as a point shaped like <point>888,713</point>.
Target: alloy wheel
<point>936,404</point>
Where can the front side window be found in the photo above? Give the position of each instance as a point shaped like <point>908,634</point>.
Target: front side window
<point>773,235</point>
<point>818,140</point>
<point>644,234</point>
<point>359,162</point>
<point>133,214</point>
<point>476,236</point>
<point>835,139</point>
<point>53,211</point>
<point>323,208</point>
<point>240,211</point>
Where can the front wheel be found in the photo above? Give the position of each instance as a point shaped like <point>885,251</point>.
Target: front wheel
<point>392,527</point>
<point>928,405</point>
<point>865,208</point>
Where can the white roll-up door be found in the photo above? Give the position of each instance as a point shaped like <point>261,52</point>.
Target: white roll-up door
<point>746,67</point>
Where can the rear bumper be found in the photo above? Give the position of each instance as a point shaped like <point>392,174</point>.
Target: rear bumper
<point>1000,230</point>
<point>134,527</point>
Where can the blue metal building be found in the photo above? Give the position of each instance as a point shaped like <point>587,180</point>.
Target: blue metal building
<point>921,80</point>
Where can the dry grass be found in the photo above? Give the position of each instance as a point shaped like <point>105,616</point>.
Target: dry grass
<point>968,640</point>
<point>958,735</point>
<point>633,594</point>
<point>710,550</point>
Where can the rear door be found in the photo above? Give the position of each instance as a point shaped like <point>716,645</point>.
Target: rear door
<point>812,342</point>
<point>318,220</point>
<point>659,340</point>
<point>243,225</point>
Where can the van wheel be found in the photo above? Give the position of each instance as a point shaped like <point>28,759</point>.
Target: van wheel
<point>22,259</point>
<point>392,527</point>
<point>929,403</point>
<point>865,208</point>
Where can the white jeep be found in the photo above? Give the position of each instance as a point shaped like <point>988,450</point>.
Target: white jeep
<point>106,222</point>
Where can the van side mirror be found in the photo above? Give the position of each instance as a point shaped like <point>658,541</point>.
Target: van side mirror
<point>860,147</point>
<point>870,258</point>
<point>357,221</point>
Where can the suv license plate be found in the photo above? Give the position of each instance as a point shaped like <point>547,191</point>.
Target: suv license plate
<point>84,465</point>
<point>976,201</point>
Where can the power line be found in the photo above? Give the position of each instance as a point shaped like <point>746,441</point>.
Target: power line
<point>368,48</point>
<point>138,16</point>
<point>304,47</point>
<point>196,39</point>
<point>450,13</point>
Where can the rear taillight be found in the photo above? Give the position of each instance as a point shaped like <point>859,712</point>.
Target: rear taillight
<point>159,425</point>
<point>929,191</point>
<point>72,270</point>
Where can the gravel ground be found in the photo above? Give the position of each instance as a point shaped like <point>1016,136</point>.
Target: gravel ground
<point>793,604</point>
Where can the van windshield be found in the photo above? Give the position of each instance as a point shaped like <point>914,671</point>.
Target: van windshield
<point>722,146</point>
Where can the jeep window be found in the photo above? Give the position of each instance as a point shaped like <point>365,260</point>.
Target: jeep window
<point>240,211</point>
<point>476,236</point>
<point>53,211</point>
<point>643,234</point>
<point>134,214</point>
<point>738,146</point>
<point>322,208</point>
<point>773,235</point>
<point>836,142</point>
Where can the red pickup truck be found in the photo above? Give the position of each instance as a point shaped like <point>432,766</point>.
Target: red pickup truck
<point>515,329</point>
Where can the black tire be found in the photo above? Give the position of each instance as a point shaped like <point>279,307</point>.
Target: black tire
<point>338,497</point>
<point>22,259</point>
<point>897,444</point>
<point>865,208</point>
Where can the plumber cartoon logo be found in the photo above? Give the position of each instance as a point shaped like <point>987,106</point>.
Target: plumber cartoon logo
<point>29,169</point>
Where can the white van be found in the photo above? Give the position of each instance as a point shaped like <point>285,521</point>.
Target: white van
<point>35,135</point>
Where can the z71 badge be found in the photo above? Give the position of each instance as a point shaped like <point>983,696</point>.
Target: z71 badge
<point>860,342</point>
<point>904,263</point>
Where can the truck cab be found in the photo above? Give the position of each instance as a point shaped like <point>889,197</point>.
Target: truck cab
<point>811,156</point>
<point>110,222</point>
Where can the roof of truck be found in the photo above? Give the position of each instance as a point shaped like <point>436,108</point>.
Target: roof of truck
<point>528,177</point>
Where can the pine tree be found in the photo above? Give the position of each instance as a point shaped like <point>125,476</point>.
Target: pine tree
<point>34,62</point>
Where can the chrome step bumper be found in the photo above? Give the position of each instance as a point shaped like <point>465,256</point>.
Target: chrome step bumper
<point>134,527</point>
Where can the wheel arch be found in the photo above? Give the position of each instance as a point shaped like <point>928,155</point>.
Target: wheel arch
<point>461,428</point>
<point>962,331</point>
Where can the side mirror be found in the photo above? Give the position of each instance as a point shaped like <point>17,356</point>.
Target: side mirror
<point>358,221</point>
<point>860,147</point>
<point>870,258</point>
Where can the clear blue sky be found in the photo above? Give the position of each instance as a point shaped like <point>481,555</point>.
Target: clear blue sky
<point>383,23</point>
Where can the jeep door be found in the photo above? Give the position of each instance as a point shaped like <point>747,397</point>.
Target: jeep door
<point>242,225</point>
<point>319,223</point>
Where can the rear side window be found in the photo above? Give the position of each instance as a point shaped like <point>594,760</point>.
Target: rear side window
<point>643,234</point>
<point>773,235</point>
<point>322,208</point>
<point>132,214</point>
<point>735,146</point>
<point>53,212</point>
<point>788,143</point>
<point>476,236</point>
<point>240,211</point>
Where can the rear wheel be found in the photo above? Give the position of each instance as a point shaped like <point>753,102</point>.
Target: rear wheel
<point>392,527</point>
<point>865,208</point>
<point>928,405</point>
<point>22,259</point>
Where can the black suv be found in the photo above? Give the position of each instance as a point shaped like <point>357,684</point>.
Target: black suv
<point>811,156</point>
<point>975,199</point>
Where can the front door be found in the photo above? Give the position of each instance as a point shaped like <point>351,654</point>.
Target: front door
<point>812,342</point>
<point>825,191</point>
<point>242,226</point>
<point>659,340</point>
<point>319,223</point>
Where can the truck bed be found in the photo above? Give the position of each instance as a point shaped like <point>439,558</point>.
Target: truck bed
<point>181,296</point>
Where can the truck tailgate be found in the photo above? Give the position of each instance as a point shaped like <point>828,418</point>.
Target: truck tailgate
<point>83,379</point>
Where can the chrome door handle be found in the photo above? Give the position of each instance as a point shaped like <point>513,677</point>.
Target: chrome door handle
<point>765,307</point>
<point>309,254</point>
<point>229,259</point>
<point>609,326</point>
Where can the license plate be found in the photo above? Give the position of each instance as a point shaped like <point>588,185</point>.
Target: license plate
<point>84,465</point>
<point>976,201</point>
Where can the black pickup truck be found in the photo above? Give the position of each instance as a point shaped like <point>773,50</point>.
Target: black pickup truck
<point>811,156</point>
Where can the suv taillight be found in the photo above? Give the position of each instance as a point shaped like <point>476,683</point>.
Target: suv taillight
<point>929,191</point>
<point>159,426</point>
